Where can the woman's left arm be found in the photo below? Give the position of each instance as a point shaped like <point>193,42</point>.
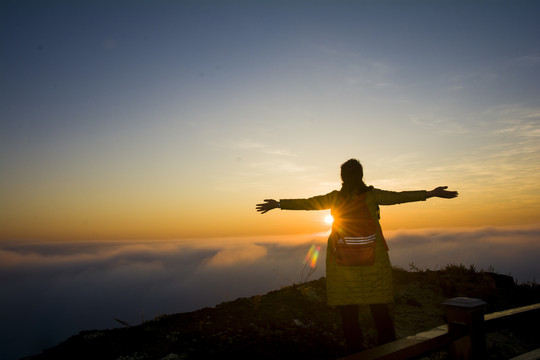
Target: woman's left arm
<point>319,202</point>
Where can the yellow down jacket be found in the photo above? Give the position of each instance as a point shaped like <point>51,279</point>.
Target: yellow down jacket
<point>347,285</point>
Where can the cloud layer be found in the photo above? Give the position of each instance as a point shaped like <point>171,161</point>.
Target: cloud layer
<point>510,251</point>
<point>53,290</point>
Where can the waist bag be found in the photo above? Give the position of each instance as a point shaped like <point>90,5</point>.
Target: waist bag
<point>354,232</point>
<point>349,252</point>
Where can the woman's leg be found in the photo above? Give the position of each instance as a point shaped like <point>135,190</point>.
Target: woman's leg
<point>383,323</point>
<point>351,328</point>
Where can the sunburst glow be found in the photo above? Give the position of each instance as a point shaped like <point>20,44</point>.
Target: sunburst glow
<point>329,219</point>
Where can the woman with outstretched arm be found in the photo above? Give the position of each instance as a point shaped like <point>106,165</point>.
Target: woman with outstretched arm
<point>358,269</point>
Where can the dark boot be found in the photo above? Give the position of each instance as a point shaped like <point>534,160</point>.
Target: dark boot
<point>354,338</point>
<point>383,323</point>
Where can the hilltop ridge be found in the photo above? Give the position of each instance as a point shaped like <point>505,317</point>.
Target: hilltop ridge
<point>295,322</point>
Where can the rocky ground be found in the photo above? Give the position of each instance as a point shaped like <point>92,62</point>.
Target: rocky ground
<point>294,322</point>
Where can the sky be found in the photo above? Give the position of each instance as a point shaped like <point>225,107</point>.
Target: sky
<point>149,127</point>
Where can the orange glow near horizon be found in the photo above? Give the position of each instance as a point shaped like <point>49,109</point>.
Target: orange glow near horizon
<point>180,213</point>
<point>241,220</point>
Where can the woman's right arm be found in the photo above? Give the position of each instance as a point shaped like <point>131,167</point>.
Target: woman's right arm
<point>384,197</point>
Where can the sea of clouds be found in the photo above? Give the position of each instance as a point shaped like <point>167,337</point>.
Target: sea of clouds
<point>50,291</point>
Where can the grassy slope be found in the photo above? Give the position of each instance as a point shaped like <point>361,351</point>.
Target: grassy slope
<point>294,322</point>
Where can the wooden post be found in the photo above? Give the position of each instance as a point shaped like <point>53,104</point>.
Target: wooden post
<point>465,318</point>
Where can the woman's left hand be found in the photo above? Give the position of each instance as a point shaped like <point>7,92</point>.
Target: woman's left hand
<point>268,205</point>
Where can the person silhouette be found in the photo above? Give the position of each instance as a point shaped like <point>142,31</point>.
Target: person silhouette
<point>350,286</point>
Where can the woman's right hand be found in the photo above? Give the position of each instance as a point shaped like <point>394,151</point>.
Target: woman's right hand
<point>442,193</point>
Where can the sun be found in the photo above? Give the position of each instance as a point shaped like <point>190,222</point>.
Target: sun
<point>329,219</point>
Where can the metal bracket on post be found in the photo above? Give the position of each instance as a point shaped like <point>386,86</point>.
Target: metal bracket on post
<point>465,318</point>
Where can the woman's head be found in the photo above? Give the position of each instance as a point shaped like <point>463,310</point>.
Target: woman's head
<point>352,175</point>
<point>351,170</point>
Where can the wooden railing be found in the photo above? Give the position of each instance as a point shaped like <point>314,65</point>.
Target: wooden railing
<point>464,335</point>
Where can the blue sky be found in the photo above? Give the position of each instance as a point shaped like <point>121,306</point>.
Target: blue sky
<point>117,113</point>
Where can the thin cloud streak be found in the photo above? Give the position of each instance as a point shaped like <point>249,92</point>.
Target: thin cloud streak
<point>251,145</point>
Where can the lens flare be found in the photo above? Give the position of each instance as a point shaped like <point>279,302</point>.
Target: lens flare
<point>312,256</point>
<point>315,257</point>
